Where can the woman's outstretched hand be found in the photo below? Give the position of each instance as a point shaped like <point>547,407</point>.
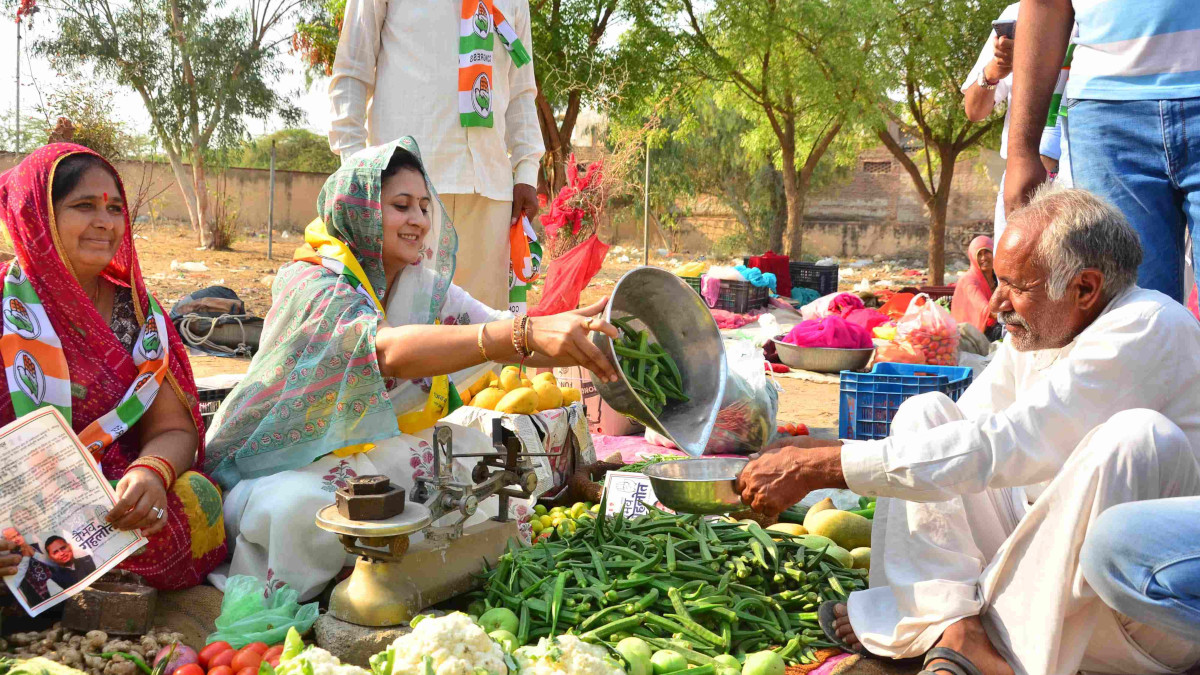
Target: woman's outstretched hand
<point>566,339</point>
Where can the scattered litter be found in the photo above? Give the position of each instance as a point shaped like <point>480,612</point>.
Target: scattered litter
<point>285,235</point>
<point>177,266</point>
<point>662,252</point>
<point>623,259</point>
<point>885,283</point>
<point>828,262</point>
<point>861,263</point>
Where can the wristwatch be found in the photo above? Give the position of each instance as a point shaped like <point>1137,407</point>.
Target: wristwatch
<point>984,82</point>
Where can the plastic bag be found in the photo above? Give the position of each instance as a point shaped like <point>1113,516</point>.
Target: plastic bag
<point>832,332</point>
<point>568,275</point>
<point>249,613</point>
<point>929,327</point>
<point>900,353</point>
<point>834,303</point>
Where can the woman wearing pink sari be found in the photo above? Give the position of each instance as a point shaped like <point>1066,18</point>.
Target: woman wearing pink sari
<point>81,333</point>
<point>974,291</point>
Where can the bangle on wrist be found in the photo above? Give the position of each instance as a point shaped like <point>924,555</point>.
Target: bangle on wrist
<point>479,342</point>
<point>159,466</point>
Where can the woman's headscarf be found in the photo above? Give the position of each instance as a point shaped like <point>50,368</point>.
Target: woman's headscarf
<point>973,292</point>
<point>100,369</point>
<point>316,387</point>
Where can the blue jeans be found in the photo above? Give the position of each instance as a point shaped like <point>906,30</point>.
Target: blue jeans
<point>1143,560</point>
<point>1144,158</point>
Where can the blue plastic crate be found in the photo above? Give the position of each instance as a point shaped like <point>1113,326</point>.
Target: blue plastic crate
<point>868,401</point>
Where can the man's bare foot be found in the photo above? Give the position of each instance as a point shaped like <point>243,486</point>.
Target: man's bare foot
<point>842,625</point>
<point>967,637</point>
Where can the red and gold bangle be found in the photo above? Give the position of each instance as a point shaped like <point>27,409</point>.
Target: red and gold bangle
<point>519,329</point>
<point>161,467</point>
<point>525,338</point>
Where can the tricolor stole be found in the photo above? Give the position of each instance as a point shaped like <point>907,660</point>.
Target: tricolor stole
<point>480,22</point>
<point>37,370</point>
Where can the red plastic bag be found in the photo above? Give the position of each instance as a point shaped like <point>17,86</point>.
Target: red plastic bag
<point>929,327</point>
<point>568,275</point>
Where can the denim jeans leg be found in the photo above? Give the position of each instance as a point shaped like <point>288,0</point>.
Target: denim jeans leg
<point>1187,170</point>
<point>1143,560</point>
<point>1118,152</point>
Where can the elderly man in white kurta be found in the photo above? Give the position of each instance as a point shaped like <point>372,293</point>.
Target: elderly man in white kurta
<point>457,76</point>
<point>1093,401</point>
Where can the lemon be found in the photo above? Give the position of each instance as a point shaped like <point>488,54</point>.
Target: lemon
<point>536,525</point>
<point>546,521</point>
<point>540,509</point>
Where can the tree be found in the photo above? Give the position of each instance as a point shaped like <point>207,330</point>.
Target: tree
<point>89,110</point>
<point>295,150</point>
<point>33,133</point>
<point>316,37</point>
<point>928,47</point>
<point>766,52</point>
<point>200,69</point>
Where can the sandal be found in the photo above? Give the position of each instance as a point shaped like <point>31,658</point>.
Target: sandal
<point>826,618</point>
<point>957,664</point>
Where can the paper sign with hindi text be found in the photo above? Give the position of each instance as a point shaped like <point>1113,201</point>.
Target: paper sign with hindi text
<point>53,504</point>
<point>628,493</point>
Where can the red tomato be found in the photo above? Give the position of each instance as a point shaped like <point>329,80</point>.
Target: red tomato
<point>224,658</point>
<point>210,651</point>
<point>782,430</point>
<point>273,653</point>
<point>274,661</point>
<point>246,658</point>
<point>221,670</point>
<point>801,430</point>
<point>190,669</point>
<point>248,671</point>
<point>260,647</point>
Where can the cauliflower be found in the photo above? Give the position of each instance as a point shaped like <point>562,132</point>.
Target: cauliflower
<point>448,645</point>
<point>296,659</point>
<point>566,655</point>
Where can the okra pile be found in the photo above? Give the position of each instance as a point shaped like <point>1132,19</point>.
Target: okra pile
<point>650,370</point>
<point>697,587</point>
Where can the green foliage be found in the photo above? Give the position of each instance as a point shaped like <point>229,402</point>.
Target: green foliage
<point>33,133</point>
<point>295,150</point>
<point>316,37</point>
<point>90,110</point>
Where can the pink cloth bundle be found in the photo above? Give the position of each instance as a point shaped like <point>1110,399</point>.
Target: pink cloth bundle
<point>832,332</point>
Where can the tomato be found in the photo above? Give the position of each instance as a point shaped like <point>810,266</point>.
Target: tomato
<point>260,647</point>
<point>246,657</point>
<point>190,669</point>
<point>273,653</point>
<point>783,430</point>
<point>274,661</point>
<point>221,670</point>
<point>248,670</point>
<point>801,430</point>
<point>210,651</point>
<point>224,658</point>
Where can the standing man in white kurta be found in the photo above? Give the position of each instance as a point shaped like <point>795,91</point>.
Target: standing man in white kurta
<point>1091,402</point>
<point>413,69</point>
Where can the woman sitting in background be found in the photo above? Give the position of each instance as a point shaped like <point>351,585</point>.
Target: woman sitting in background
<point>973,292</point>
<point>341,389</point>
<point>81,333</point>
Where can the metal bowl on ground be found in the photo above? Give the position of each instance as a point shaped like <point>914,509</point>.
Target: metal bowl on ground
<point>677,319</point>
<point>822,359</point>
<point>704,486</point>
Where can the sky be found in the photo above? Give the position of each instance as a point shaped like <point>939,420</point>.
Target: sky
<point>36,73</point>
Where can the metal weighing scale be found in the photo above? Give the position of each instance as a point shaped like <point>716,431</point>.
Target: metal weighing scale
<point>390,583</point>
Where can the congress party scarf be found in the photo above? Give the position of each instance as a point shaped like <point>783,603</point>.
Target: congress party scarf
<point>480,23</point>
<point>1058,107</point>
<point>37,370</point>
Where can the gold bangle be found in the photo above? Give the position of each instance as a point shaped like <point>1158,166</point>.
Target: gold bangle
<point>525,335</point>
<point>482,350</point>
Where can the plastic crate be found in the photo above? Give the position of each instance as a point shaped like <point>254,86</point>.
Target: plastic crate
<point>210,402</point>
<point>740,297</point>
<point>694,282</point>
<point>868,401</point>
<point>937,292</point>
<point>821,278</point>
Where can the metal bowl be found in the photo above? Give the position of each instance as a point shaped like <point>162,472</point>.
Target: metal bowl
<point>822,359</point>
<point>679,321</point>
<point>705,486</point>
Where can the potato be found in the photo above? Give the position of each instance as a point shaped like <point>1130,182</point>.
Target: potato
<point>522,401</point>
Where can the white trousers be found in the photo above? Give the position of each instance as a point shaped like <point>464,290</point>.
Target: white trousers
<point>483,257</point>
<point>1017,566</point>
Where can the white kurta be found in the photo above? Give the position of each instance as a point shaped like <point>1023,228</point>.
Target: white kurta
<point>984,529</point>
<point>396,74</point>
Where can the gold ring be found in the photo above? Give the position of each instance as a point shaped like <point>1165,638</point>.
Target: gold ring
<point>587,325</point>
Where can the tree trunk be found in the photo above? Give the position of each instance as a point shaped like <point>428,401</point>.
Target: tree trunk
<point>209,238</point>
<point>793,193</point>
<point>937,218</point>
<point>186,186</point>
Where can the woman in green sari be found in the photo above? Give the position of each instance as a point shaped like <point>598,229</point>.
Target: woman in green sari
<point>342,388</point>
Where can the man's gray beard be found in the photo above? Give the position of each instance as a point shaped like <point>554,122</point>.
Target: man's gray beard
<point>1012,319</point>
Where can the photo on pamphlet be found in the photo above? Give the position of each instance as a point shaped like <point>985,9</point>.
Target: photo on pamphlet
<point>52,510</point>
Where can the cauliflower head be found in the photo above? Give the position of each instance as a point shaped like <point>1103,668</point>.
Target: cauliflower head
<point>297,659</point>
<point>566,655</point>
<point>448,645</point>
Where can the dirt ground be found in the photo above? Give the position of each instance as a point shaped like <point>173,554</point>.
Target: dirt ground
<point>246,269</point>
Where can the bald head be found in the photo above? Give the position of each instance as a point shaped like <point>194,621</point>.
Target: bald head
<point>1058,263</point>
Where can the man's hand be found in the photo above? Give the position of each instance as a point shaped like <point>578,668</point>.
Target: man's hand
<point>1021,177</point>
<point>10,558</point>
<point>525,201</point>
<point>1001,65</point>
<point>787,471</point>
